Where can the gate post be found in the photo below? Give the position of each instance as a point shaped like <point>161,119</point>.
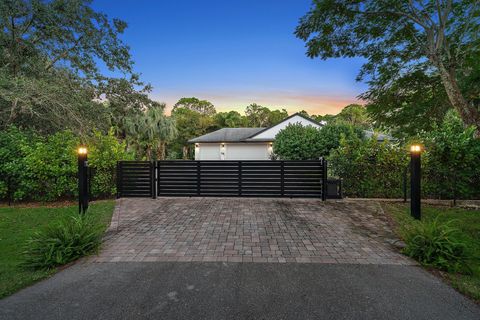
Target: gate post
<point>324,179</point>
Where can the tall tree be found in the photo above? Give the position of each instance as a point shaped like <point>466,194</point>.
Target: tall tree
<point>189,124</point>
<point>414,103</point>
<point>149,132</point>
<point>50,74</point>
<point>259,116</point>
<point>201,106</point>
<point>230,119</point>
<point>400,37</point>
<point>354,115</point>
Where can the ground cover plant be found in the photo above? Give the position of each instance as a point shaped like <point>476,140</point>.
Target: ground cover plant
<point>18,225</point>
<point>447,239</point>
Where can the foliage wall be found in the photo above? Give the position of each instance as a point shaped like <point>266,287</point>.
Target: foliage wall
<point>450,167</point>
<point>39,168</point>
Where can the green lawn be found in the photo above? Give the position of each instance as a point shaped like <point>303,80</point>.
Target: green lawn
<point>468,221</point>
<point>18,224</point>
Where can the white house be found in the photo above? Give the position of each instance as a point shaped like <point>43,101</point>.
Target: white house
<point>244,143</point>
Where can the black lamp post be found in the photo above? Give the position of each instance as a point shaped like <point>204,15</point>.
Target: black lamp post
<point>82,180</point>
<point>415,176</point>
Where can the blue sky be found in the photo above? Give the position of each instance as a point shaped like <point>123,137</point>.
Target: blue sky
<point>232,53</point>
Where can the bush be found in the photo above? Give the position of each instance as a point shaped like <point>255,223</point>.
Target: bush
<point>12,161</point>
<point>45,168</point>
<point>63,242</point>
<point>332,134</point>
<point>104,152</point>
<point>450,162</point>
<point>298,142</point>
<point>369,168</point>
<point>50,167</point>
<point>437,245</point>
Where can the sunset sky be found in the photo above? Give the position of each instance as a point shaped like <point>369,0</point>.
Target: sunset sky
<point>232,53</point>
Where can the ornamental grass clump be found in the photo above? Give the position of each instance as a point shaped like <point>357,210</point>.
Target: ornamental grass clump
<point>437,245</point>
<point>63,242</point>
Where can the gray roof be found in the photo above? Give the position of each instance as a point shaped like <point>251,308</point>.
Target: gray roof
<point>227,135</point>
<point>380,136</point>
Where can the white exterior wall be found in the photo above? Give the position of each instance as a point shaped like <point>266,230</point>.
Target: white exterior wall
<point>233,151</point>
<point>272,132</point>
<point>207,151</point>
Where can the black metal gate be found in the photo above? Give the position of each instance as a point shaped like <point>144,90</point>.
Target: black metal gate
<point>136,179</point>
<point>306,179</point>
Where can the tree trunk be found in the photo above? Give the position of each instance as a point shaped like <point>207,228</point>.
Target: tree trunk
<point>469,114</point>
<point>161,151</point>
<point>185,152</point>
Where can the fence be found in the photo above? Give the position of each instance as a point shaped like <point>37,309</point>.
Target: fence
<point>306,179</point>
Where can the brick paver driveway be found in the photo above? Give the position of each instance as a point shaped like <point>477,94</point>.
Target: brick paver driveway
<point>249,230</point>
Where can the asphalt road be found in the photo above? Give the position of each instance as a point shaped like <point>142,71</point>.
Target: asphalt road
<point>161,290</point>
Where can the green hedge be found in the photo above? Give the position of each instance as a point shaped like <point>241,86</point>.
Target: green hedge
<point>45,168</point>
<point>369,168</point>
<point>450,164</point>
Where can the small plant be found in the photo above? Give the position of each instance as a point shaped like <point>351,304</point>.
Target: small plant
<point>437,245</point>
<point>63,242</point>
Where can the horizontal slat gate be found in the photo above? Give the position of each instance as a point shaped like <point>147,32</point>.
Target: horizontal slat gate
<point>240,178</point>
<point>135,179</point>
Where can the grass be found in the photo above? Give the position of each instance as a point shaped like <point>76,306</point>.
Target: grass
<point>467,221</point>
<point>17,225</point>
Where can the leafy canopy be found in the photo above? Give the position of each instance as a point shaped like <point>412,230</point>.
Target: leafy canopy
<point>203,107</point>
<point>438,38</point>
<point>51,62</point>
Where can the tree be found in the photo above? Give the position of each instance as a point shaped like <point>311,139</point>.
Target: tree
<point>259,116</point>
<point>149,132</point>
<point>297,142</point>
<point>276,116</point>
<point>190,124</point>
<point>203,107</point>
<point>50,74</point>
<point>124,102</point>
<point>354,115</point>
<point>231,119</point>
<point>413,103</point>
<point>436,37</point>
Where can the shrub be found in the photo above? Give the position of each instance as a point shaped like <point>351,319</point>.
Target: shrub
<point>369,168</point>
<point>452,155</point>
<point>332,134</point>
<point>436,245</point>
<point>298,142</point>
<point>12,161</point>
<point>45,168</point>
<point>63,242</point>
<point>104,152</point>
<point>50,167</point>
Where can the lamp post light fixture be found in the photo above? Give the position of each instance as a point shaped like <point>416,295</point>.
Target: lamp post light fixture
<point>82,154</point>
<point>415,178</point>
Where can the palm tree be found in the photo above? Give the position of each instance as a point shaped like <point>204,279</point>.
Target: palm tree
<point>149,132</point>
